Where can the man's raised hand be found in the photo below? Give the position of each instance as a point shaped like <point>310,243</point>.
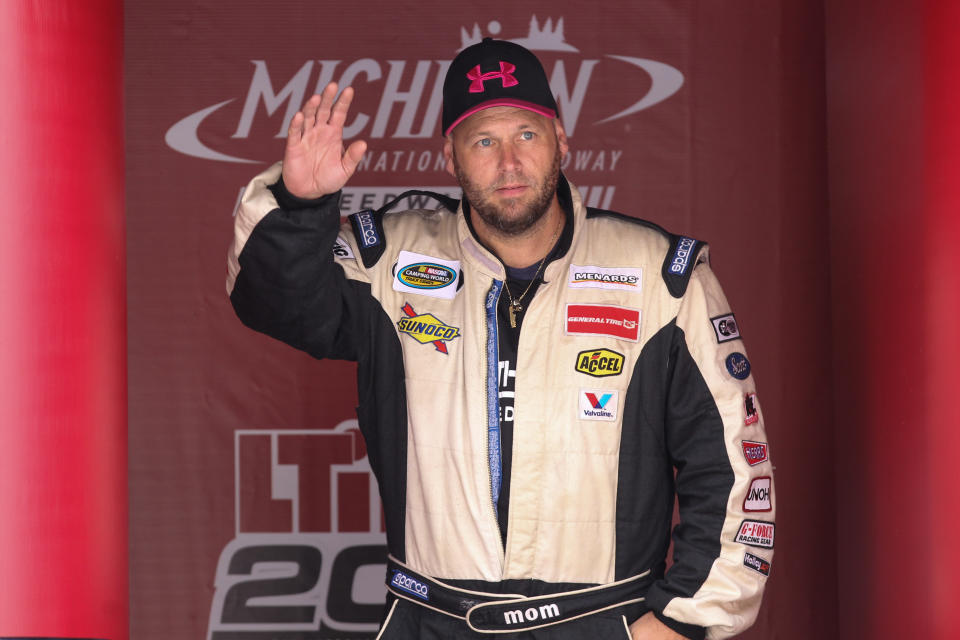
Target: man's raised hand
<point>314,162</point>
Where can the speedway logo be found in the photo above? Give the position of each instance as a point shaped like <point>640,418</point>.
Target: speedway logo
<point>412,88</point>
<point>597,404</point>
<point>309,534</point>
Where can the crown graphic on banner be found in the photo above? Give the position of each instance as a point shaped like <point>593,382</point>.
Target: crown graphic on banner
<point>545,38</point>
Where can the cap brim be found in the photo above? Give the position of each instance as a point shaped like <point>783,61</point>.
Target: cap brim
<point>502,102</point>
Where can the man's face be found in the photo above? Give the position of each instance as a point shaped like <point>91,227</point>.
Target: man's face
<point>507,161</point>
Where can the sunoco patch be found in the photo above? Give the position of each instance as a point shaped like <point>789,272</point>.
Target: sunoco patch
<point>426,328</point>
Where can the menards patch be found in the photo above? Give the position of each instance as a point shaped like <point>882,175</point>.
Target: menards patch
<point>426,328</point>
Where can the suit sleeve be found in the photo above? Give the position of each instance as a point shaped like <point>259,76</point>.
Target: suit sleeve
<point>283,276</point>
<point>723,544</point>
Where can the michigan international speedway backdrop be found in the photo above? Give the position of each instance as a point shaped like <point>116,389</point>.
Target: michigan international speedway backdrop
<point>253,511</point>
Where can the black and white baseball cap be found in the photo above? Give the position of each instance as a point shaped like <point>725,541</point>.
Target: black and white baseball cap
<point>495,73</point>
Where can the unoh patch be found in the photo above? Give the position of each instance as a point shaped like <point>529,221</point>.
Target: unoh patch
<point>426,275</point>
<point>426,328</point>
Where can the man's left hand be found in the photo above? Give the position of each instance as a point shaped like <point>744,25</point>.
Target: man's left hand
<point>648,627</point>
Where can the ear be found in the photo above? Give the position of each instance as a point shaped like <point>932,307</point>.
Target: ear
<point>561,136</point>
<point>448,155</point>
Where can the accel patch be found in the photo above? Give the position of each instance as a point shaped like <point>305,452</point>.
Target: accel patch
<point>600,363</point>
<point>426,328</point>
<point>426,275</point>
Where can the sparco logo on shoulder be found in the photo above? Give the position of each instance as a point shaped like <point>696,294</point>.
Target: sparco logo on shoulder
<point>410,93</point>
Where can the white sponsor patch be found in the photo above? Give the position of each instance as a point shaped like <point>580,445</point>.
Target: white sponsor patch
<point>759,497</point>
<point>588,277</point>
<point>598,404</point>
<point>426,275</point>
<point>726,328</point>
<point>341,249</point>
<point>756,533</point>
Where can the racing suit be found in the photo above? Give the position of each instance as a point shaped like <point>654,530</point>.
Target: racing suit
<point>631,387</point>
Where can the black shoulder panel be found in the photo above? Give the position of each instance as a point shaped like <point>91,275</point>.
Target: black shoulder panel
<point>679,263</point>
<point>368,224</point>
<point>603,213</point>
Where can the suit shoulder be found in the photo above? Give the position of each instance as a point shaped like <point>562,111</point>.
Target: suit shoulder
<point>680,253</point>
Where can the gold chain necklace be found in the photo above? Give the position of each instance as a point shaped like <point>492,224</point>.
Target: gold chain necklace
<point>516,304</point>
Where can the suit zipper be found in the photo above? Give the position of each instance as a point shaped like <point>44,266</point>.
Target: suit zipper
<point>492,404</point>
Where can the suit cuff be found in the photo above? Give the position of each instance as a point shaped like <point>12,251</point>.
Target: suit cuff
<point>691,631</point>
<point>290,202</point>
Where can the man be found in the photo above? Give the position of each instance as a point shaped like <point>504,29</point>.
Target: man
<point>537,380</point>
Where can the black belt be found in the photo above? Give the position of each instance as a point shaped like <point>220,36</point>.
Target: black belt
<point>505,613</point>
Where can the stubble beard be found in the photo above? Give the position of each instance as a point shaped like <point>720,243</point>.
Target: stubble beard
<point>507,220</point>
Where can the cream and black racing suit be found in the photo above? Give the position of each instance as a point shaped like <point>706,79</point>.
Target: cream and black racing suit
<point>530,494</point>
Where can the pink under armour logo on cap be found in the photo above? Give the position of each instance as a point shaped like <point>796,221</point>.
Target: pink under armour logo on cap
<point>505,74</point>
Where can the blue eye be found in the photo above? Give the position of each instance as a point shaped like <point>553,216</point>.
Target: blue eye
<point>527,135</point>
<point>485,142</point>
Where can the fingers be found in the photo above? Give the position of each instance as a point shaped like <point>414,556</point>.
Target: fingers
<point>338,115</point>
<point>295,130</point>
<point>326,103</point>
<point>309,111</point>
<point>352,156</point>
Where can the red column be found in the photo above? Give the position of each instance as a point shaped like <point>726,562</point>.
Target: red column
<point>63,483</point>
<point>894,148</point>
<point>942,329</point>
